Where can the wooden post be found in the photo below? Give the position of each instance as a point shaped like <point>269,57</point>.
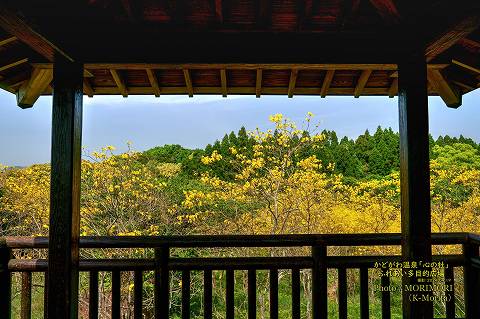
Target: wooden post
<point>414,174</point>
<point>65,189</point>
<point>5,283</point>
<point>471,280</point>
<point>319,282</point>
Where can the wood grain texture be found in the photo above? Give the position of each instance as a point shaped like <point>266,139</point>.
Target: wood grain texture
<point>63,249</point>
<point>414,174</point>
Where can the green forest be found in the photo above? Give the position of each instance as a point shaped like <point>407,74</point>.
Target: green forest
<point>318,182</point>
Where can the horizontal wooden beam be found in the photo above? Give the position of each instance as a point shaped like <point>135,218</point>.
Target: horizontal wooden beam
<point>22,30</point>
<point>13,64</point>
<point>102,41</point>
<point>153,82</point>
<point>31,90</point>
<point>134,90</point>
<point>449,94</point>
<point>243,66</point>
<point>119,82</point>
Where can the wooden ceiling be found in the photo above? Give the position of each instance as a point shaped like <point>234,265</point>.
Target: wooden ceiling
<point>263,47</point>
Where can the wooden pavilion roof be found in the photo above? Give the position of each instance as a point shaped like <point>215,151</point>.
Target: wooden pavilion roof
<point>262,47</point>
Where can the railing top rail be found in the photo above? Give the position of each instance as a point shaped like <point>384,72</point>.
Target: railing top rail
<point>206,241</point>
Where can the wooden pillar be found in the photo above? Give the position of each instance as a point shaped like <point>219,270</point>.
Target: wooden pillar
<point>5,282</point>
<point>65,189</point>
<point>414,176</point>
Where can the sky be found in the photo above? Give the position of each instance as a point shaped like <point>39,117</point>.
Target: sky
<point>147,121</point>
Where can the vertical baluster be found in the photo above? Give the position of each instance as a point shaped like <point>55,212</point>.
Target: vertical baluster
<point>26,299</point>
<point>162,283</point>
<point>252,294</point>
<point>319,282</point>
<point>115,294</point>
<point>186,294</point>
<point>295,293</point>
<point>386,309</point>
<point>450,282</point>
<point>207,294</point>
<point>273,293</point>
<point>364,312</point>
<point>137,294</point>
<point>342,293</point>
<point>45,296</point>
<point>230,297</point>
<point>93,295</point>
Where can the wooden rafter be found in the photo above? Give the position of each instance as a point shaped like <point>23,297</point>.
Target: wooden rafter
<point>188,82</point>
<point>393,90</point>
<point>258,84</point>
<point>152,78</point>
<point>13,64</point>
<point>449,94</point>
<point>264,12</point>
<point>19,28</point>
<point>7,40</point>
<point>326,82</point>
<point>348,12</point>
<point>31,90</point>
<point>129,9</point>
<point>218,11</point>
<point>468,66</point>
<point>87,87</point>
<point>362,81</point>
<point>292,82</point>
<point>304,13</point>
<point>387,10</point>
<point>119,82</point>
<point>223,80</point>
<point>451,36</point>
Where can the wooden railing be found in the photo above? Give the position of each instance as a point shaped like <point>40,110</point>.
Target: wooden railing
<point>163,264</point>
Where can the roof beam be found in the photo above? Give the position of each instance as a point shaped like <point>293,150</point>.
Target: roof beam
<point>129,9</point>
<point>326,82</point>
<point>258,85</point>
<point>31,90</point>
<point>87,87</point>
<point>387,10</point>
<point>153,82</point>
<point>13,64</point>
<point>292,82</point>
<point>264,13</point>
<point>469,66</point>
<point>218,11</point>
<point>188,82</point>
<point>451,36</point>
<point>393,90</point>
<point>362,81</point>
<point>7,40</point>
<point>449,94</point>
<point>119,82</point>
<point>223,80</point>
<point>19,28</point>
